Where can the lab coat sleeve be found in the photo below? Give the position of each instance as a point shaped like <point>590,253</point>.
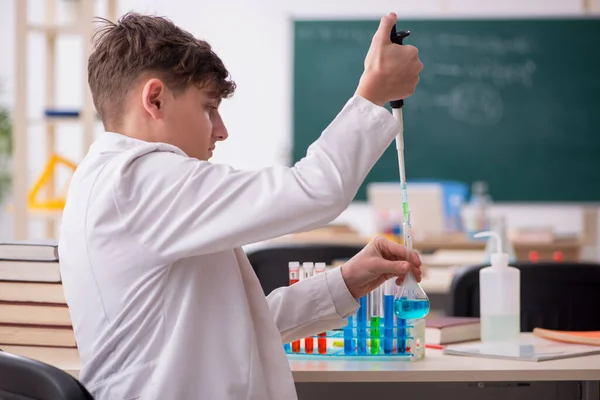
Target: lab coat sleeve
<point>311,306</point>
<point>179,207</point>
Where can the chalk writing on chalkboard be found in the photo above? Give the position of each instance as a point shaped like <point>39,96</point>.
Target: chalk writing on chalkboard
<point>451,41</point>
<point>500,73</point>
<point>491,44</point>
<point>475,103</point>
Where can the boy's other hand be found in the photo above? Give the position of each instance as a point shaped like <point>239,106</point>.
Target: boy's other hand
<point>380,260</point>
<point>391,71</point>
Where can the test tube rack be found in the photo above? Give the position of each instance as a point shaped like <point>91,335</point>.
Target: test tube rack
<point>371,347</point>
<point>366,336</point>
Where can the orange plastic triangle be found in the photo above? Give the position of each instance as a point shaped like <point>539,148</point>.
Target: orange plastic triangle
<point>57,203</point>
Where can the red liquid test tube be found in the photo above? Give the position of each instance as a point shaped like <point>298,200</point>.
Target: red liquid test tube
<point>322,343</point>
<point>294,276</point>
<point>309,344</point>
<point>321,337</point>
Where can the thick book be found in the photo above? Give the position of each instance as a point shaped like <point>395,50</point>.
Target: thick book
<point>39,250</point>
<point>34,314</point>
<point>533,349</point>
<point>28,335</point>
<point>579,337</point>
<point>32,292</point>
<point>31,271</point>
<point>444,330</point>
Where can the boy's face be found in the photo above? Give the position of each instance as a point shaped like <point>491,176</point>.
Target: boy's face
<point>192,122</point>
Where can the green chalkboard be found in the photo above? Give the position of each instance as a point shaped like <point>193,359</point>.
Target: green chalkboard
<point>513,102</point>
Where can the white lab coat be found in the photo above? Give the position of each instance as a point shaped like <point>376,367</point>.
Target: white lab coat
<point>164,302</point>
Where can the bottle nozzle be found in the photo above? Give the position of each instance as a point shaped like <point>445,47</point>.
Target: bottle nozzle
<point>498,258</point>
<point>488,234</point>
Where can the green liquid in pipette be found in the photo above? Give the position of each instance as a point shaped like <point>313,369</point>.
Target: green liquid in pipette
<point>375,334</point>
<point>404,201</point>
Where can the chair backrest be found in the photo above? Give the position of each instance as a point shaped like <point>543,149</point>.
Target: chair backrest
<point>22,378</point>
<point>270,263</point>
<point>559,296</point>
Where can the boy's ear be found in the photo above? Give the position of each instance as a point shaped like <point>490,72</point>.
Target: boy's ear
<point>153,97</point>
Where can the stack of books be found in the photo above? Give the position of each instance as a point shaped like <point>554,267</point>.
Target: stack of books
<point>33,310</point>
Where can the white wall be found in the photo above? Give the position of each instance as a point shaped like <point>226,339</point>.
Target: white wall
<point>253,37</point>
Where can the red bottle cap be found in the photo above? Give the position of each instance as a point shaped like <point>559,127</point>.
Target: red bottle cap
<point>534,256</point>
<point>557,256</point>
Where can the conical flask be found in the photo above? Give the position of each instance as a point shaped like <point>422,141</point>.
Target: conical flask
<point>410,301</point>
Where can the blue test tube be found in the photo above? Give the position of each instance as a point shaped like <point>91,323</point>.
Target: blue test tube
<point>361,324</point>
<point>388,316</point>
<point>349,342</point>
<point>401,335</point>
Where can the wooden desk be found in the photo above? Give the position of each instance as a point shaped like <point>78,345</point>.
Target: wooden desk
<point>452,377</point>
<point>435,368</point>
<point>438,367</point>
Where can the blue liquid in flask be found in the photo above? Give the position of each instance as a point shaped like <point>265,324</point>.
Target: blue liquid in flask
<point>405,308</point>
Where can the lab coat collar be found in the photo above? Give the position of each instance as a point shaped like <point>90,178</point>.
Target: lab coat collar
<point>114,141</point>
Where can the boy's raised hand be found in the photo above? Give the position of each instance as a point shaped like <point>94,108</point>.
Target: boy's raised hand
<point>378,261</point>
<point>391,71</point>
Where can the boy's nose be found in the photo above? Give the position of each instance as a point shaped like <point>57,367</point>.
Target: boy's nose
<point>219,129</point>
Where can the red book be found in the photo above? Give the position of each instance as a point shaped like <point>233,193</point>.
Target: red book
<point>444,330</point>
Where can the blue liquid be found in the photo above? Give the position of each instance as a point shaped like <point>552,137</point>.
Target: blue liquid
<point>287,347</point>
<point>361,323</point>
<point>411,309</point>
<point>349,337</point>
<point>401,333</point>
<point>388,324</point>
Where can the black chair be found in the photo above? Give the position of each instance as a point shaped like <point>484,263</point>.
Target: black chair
<point>270,263</point>
<point>22,378</point>
<point>562,296</point>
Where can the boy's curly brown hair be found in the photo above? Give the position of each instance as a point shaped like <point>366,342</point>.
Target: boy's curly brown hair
<point>138,45</point>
